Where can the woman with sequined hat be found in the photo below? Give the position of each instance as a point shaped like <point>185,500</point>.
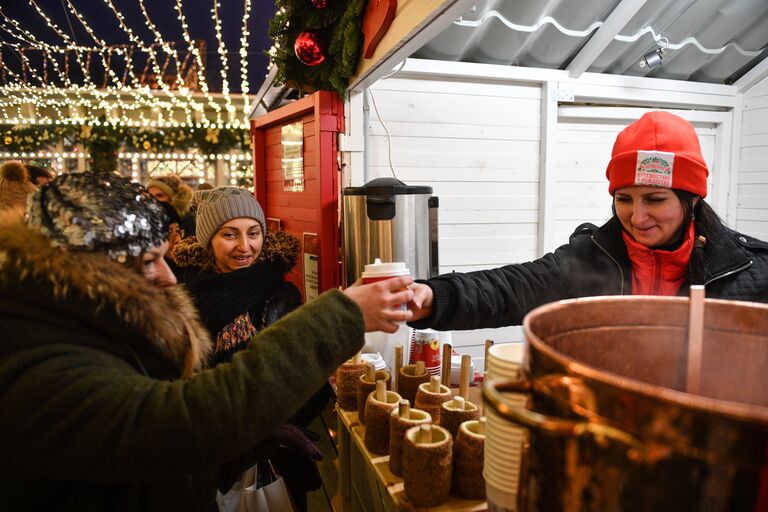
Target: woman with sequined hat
<point>662,238</point>
<point>235,270</point>
<point>105,401</point>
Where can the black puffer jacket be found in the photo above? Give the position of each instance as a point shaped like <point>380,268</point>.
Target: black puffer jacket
<point>594,262</point>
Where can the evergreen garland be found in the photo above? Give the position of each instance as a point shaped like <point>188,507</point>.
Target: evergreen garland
<point>338,23</point>
<point>107,139</point>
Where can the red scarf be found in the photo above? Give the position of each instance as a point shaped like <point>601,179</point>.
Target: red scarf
<point>655,271</point>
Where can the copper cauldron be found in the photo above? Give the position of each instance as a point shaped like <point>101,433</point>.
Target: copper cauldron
<point>611,426</point>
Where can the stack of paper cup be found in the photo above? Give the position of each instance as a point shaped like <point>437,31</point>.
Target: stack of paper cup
<point>425,346</point>
<point>503,440</point>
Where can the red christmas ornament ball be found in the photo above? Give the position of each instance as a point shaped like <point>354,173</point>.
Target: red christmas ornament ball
<point>309,49</point>
<point>320,4</point>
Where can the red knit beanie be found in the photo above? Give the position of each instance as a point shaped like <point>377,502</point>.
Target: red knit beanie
<point>659,150</point>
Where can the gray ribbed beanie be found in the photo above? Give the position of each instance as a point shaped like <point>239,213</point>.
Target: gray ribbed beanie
<point>218,206</point>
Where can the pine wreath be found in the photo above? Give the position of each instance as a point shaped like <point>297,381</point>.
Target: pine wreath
<point>339,23</point>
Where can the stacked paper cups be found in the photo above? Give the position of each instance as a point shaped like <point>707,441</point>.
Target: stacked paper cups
<point>503,440</point>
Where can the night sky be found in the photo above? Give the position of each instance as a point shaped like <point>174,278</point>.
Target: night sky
<point>163,14</point>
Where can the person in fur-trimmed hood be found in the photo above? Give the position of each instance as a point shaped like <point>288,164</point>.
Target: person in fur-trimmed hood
<point>235,271</point>
<point>14,185</point>
<point>172,190</point>
<point>105,403</point>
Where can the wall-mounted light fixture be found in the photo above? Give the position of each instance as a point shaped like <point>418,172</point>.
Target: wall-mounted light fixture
<point>653,58</point>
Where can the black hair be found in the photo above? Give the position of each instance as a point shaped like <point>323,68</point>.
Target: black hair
<point>35,172</point>
<point>170,211</point>
<point>705,222</point>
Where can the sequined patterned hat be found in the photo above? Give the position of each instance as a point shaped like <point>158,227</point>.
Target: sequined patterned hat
<point>98,212</point>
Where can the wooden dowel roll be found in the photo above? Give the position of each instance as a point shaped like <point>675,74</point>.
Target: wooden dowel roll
<point>427,467</point>
<point>432,402</point>
<point>347,376</point>
<point>397,428</point>
<point>365,387</point>
<point>409,380</point>
<point>377,421</point>
<point>467,481</point>
<point>445,372</point>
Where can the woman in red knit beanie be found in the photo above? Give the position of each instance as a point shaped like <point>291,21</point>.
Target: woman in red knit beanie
<point>662,238</point>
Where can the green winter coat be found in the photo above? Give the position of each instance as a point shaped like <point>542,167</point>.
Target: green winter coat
<point>95,409</point>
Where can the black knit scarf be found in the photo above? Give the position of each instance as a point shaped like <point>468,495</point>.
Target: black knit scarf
<point>221,298</point>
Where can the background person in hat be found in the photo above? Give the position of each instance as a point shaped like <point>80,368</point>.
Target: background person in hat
<point>170,189</point>
<point>662,238</point>
<point>14,186</point>
<point>105,401</point>
<point>235,269</point>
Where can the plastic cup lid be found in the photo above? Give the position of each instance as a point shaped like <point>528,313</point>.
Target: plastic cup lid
<point>378,269</point>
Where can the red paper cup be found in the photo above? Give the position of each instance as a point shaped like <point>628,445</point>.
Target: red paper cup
<point>378,271</point>
<point>425,346</point>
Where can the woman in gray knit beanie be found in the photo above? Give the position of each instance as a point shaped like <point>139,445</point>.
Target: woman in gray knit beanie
<point>239,288</point>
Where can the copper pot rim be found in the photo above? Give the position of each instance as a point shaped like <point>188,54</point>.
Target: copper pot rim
<point>571,366</point>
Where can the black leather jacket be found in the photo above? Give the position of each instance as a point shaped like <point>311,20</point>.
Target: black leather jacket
<point>594,262</point>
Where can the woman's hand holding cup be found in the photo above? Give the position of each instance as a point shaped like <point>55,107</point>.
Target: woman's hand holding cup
<point>381,302</point>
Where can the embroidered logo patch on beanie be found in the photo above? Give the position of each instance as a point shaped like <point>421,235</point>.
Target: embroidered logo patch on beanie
<point>654,168</point>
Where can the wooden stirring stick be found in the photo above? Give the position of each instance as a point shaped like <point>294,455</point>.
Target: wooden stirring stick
<point>466,363</point>
<point>398,365</point>
<point>404,409</point>
<point>356,358</point>
<point>425,434</point>
<point>488,345</point>
<point>381,391</point>
<point>420,368</point>
<point>695,339</point>
<point>434,384</point>
<point>446,370</point>
<point>459,403</point>
<point>370,373</point>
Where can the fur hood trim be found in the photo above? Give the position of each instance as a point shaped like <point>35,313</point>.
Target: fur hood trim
<point>14,171</point>
<point>165,316</point>
<point>280,247</point>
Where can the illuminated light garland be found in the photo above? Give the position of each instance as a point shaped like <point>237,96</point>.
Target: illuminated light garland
<point>23,38</point>
<point>222,50</point>
<point>44,104</point>
<point>44,154</point>
<point>31,39</point>
<point>170,50</point>
<point>184,156</point>
<point>198,58</point>
<point>244,57</point>
<point>104,44</point>
<point>151,55</point>
<point>158,72</point>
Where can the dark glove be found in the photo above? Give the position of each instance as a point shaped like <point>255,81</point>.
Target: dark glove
<point>297,438</point>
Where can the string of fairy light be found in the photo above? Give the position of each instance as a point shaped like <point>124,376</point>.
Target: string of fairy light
<point>141,96</point>
<point>32,98</point>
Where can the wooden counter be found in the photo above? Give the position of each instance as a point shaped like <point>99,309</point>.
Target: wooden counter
<point>365,481</point>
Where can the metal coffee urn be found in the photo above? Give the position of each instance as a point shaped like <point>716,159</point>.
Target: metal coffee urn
<point>387,219</point>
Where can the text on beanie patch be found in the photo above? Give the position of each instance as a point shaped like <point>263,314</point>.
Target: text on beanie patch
<point>654,168</point>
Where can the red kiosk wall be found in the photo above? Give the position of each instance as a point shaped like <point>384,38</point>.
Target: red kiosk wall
<point>315,209</point>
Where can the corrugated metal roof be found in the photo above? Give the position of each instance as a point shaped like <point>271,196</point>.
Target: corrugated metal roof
<point>714,41</point>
